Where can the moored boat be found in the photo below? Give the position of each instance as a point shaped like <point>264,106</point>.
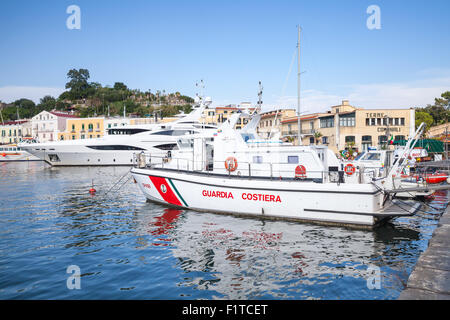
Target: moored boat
<point>11,152</point>
<point>229,173</point>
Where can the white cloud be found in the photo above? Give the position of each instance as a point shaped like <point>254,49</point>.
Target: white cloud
<point>12,93</point>
<point>371,96</point>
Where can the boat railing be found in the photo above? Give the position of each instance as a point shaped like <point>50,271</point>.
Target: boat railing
<point>272,170</point>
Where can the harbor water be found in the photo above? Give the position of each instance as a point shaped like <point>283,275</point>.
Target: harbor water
<point>127,248</point>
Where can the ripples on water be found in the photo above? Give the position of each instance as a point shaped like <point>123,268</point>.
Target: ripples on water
<point>127,248</point>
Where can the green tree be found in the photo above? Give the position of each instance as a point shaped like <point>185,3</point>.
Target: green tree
<point>47,103</point>
<point>422,116</point>
<point>120,86</point>
<point>78,83</point>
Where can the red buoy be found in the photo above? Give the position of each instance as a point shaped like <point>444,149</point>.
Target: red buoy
<point>92,190</point>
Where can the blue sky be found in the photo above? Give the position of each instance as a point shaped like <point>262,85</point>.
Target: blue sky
<point>231,45</point>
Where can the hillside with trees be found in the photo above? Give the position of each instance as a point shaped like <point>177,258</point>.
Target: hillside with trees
<point>88,99</point>
<point>435,114</point>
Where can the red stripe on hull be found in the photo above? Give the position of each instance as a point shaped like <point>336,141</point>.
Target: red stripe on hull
<point>165,190</point>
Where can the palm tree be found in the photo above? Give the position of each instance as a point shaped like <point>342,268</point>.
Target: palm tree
<point>317,136</point>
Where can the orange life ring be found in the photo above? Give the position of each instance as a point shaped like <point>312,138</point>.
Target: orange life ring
<point>231,164</point>
<point>349,169</point>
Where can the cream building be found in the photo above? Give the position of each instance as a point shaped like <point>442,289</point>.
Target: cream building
<point>271,120</point>
<point>345,126</point>
<point>15,131</point>
<point>47,125</point>
<point>219,115</point>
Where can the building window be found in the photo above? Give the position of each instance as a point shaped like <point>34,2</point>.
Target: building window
<point>62,137</point>
<point>90,127</point>
<point>366,139</point>
<point>367,122</point>
<point>347,120</point>
<point>396,121</point>
<point>397,138</point>
<point>311,140</point>
<point>382,140</point>
<point>327,122</point>
<point>324,140</point>
<point>349,139</point>
<point>73,137</point>
<point>373,121</point>
<point>82,127</point>
<point>402,121</point>
<point>82,136</point>
<point>73,127</point>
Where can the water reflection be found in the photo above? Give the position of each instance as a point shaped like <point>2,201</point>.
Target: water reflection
<point>130,249</point>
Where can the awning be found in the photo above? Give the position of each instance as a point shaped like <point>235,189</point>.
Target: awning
<point>431,145</point>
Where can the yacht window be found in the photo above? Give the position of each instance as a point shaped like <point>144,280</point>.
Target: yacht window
<point>126,131</point>
<point>292,159</point>
<point>185,144</point>
<point>167,146</point>
<point>114,147</point>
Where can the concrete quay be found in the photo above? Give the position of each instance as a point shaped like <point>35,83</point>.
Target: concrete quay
<point>430,279</point>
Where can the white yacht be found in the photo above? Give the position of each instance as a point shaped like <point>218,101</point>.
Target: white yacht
<point>120,144</point>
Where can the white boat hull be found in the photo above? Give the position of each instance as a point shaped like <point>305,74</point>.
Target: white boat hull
<point>17,156</point>
<point>345,204</point>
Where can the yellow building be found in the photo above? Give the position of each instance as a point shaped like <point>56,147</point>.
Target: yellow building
<point>83,128</point>
<point>345,126</point>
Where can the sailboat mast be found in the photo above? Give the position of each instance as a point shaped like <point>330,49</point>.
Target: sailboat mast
<point>298,89</point>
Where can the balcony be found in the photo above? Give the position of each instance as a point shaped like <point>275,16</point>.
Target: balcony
<point>309,132</point>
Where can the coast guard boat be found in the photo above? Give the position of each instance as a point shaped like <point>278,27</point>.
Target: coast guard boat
<point>234,172</point>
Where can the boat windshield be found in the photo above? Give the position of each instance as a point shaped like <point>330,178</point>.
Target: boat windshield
<point>360,156</point>
<point>372,156</point>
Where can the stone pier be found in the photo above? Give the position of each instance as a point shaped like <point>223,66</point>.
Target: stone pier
<point>430,279</point>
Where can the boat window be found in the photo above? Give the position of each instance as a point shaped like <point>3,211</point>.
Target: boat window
<point>372,156</point>
<point>53,158</point>
<point>115,147</point>
<point>257,159</point>
<point>167,146</point>
<point>292,159</point>
<point>186,144</point>
<point>128,131</point>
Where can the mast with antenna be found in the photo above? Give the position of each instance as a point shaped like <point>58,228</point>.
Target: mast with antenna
<point>298,88</point>
<point>260,92</point>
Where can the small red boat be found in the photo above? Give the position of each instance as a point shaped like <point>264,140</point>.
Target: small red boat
<point>433,178</point>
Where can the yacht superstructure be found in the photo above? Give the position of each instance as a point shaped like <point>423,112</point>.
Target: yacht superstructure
<point>117,148</point>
